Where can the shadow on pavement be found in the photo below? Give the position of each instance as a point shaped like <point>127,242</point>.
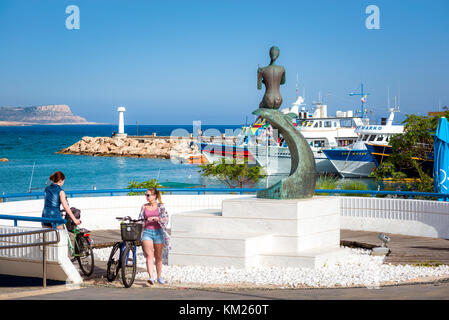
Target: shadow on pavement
<point>7,281</point>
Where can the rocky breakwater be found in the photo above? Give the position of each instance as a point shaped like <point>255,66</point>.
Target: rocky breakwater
<point>156,147</point>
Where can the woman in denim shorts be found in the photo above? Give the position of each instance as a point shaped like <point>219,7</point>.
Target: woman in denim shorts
<point>153,238</point>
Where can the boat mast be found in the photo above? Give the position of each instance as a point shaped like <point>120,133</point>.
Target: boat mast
<point>363,98</point>
<point>296,85</point>
<point>392,111</point>
<point>31,179</point>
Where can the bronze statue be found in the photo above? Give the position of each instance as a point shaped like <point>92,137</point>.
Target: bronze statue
<point>272,76</point>
<point>301,181</point>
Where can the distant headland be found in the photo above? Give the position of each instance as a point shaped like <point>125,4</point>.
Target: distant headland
<point>48,114</point>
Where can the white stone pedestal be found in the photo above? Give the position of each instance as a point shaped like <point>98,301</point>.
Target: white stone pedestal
<point>259,232</point>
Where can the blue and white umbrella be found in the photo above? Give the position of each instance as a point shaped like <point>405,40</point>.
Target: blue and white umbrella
<point>441,157</point>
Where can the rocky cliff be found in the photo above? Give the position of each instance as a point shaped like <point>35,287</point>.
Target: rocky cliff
<point>40,114</point>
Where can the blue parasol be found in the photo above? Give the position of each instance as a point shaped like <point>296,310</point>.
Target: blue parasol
<point>441,156</point>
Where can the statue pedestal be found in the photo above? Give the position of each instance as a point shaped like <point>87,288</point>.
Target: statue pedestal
<point>253,232</point>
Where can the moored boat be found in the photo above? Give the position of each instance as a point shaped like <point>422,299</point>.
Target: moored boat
<point>381,152</point>
<point>357,161</point>
<point>320,130</point>
<point>259,145</point>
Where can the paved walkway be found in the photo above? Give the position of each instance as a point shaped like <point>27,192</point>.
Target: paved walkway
<point>429,291</point>
<point>404,249</point>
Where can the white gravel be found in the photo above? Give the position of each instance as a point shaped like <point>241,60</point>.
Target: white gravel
<point>359,268</point>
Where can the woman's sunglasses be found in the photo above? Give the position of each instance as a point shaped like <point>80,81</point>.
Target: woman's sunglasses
<point>149,194</point>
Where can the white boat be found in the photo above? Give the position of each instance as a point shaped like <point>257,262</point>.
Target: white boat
<point>320,131</point>
<point>357,161</point>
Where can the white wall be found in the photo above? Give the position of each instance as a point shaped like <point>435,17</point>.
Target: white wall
<point>29,261</point>
<point>100,212</point>
<point>401,216</point>
<point>420,218</point>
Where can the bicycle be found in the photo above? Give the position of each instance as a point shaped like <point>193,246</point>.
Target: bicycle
<point>82,249</point>
<point>123,254</point>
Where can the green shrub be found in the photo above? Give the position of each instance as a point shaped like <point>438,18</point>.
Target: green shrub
<point>327,182</point>
<point>354,185</point>
<point>232,174</point>
<point>152,183</point>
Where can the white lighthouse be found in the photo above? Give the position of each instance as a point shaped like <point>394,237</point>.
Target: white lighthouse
<point>121,123</point>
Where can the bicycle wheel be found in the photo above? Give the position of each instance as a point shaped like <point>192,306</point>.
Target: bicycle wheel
<point>129,265</point>
<point>114,262</point>
<point>85,255</point>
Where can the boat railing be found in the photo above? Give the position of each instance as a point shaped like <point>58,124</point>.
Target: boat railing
<point>199,191</point>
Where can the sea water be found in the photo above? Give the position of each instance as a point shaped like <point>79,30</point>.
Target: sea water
<point>31,151</point>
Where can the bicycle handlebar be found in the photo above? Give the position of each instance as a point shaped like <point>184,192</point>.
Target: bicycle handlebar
<point>128,218</point>
<point>66,216</point>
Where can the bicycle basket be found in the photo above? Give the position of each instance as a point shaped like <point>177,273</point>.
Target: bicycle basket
<point>131,231</point>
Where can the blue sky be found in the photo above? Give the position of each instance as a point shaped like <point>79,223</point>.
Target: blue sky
<point>172,62</point>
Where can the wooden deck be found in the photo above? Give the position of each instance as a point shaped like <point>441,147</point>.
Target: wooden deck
<point>404,249</point>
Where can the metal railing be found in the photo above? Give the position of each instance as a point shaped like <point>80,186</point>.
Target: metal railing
<point>44,242</point>
<point>374,193</point>
<point>112,192</point>
<point>33,219</point>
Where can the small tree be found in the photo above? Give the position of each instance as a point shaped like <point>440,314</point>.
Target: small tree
<point>152,183</point>
<point>232,174</point>
<point>409,151</point>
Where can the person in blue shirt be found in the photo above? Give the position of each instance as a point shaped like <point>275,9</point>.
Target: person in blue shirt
<point>54,198</point>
